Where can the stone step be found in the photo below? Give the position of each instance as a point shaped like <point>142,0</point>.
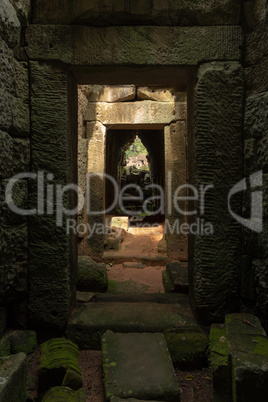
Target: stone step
<point>117,258</point>
<point>162,298</point>
<point>138,365</point>
<point>175,278</point>
<point>186,341</point>
<point>239,359</point>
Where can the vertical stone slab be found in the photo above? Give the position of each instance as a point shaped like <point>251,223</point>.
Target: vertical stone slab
<point>215,158</point>
<point>175,176</point>
<point>95,204</point>
<point>54,152</point>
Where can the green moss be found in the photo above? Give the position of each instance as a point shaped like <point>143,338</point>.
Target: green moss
<point>64,394</point>
<point>92,276</point>
<point>59,365</point>
<point>261,347</point>
<point>23,341</point>
<point>5,347</point>
<point>218,346</point>
<point>187,349</point>
<point>220,364</point>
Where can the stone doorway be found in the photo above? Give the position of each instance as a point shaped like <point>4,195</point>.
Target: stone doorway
<point>110,118</point>
<point>213,78</point>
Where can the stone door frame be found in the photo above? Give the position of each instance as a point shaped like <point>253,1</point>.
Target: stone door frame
<point>206,60</point>
<point>170,117</point>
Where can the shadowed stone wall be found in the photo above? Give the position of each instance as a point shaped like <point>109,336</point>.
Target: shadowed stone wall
<point>255,250</point>
<point>215,157</point>
<point>15,158</point>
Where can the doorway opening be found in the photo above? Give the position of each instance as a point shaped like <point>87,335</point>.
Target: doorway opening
<point>132,140</point>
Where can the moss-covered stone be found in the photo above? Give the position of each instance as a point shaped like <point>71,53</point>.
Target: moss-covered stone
<point>167,282</point>
<point>92,276</point>
<point>59,365</point>
<point>5,347</point>
<point>64,394</point>
<point>13,374</point>
<point>139,366</point>
<point>220,364</point>
<point>248,347</point>
<point>187,349</point>
<point>91,320</point>
<point>22,341</point>
<point>134,45</point>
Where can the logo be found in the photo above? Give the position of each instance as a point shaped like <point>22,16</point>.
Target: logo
<point>255,222</point>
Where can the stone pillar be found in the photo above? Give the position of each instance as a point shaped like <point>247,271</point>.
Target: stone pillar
<point>96,135</point>
<point>175,176</point>
<point>215,157</point>
<point>53,252</point>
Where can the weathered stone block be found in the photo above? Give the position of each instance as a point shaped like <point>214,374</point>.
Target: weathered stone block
<point>215,152</point>
<point>14,107</point>
<point>139,366</point>
<point>64,394</point>
<point>175,179</point>
<point>220,364</point>
<point>187,349</point>
<point>20,341</point>
<point>13,374</point>
<point>54,148</point>
<point>129,113</point>
<point>255,11</point>
<point>178,272</point>
<point>256,76</point>
<point>262,154</point>
<point>9,23</point>
<point>50,290</point>
<point>161,94</point>
<point>92,276</point>
<point>134,45</point>
<point>59,365</point>
<point>167,12</point>
<point>256,125</point>
<point>100,93</point>
<point>248,347</point>
<point>250,164</point>
<point>15,155</point>
<point>261,283</point>
<point>19,199</point>
<point>13,272</point>
<point>256,44</point>
<point>23,9</point>
<point>91,320</point>
<point>85,297</point>
<point>3,319</point>
<point>247,279</point>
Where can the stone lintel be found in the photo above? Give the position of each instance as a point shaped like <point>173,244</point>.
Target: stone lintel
<point>125,12</point>
<point>161,94</point>
<point>144,112</point>
<point>109,93</point>
<point>84,45</point>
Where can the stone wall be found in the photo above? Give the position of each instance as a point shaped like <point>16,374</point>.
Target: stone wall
<point>15,158</point>
<point>255,273</point>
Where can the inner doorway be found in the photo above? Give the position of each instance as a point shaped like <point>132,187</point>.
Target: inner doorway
<point>111,120</point>
<point>135,160</point>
